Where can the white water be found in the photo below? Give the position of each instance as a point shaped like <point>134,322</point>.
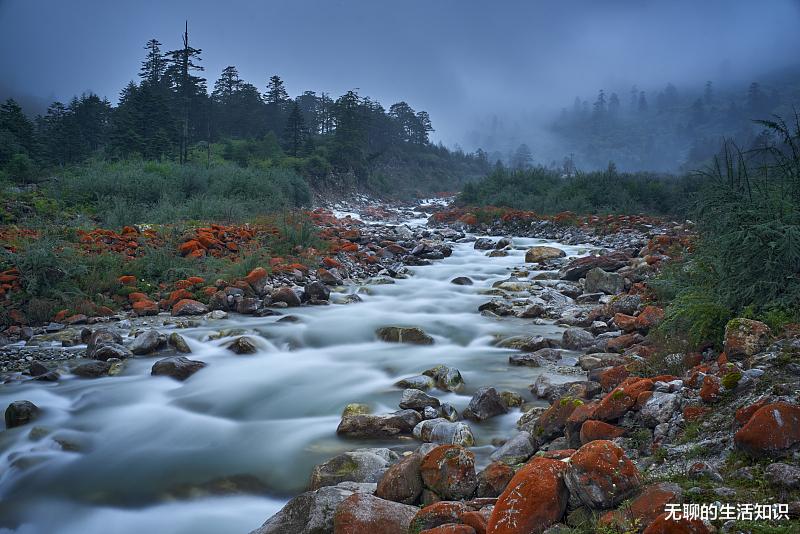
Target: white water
<point>272,414</point>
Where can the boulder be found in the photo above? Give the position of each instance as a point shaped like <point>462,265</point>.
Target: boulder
<point>516,450</point>
<point>401,334</point>
<point>543,253</point>
<point>188,307</point>
<point>575,338</point>
<point>20,413</point>
<point>485,403</point>
<point>437,514</point>
<point>601,476</point>
<point>177,342</point>
<point>402,482</point>
<point>148,341</point>
<point>361,513</point>
<point>745,337</point>
<point>91,369</point>
<point>664,524</point>
<point>449,471</point>
<point>378,426</point>
<point>535,499</point>
<point>783,475</point>
<point>645,508</point>
<point>441,430</point>
<point>311,512</point>
<point>447,378</point>
<point>592,430</point>
<point>462,281</point>
<point>577,268</point>
<point>415,399</point>
<point>287,296</point>
<point>99,338</point>
<point>659,408</point>
<point>316,291</point>
<point>600,281</point>
<point>493,480</point>
<point>421,382</point>
<point>773,430</point>
<point>626,304</point>
<point>177,367</point>
<point>450,528</point>
<point>107,351</point>
<point>527,343</point>
<point>483,243</point>
<point>363,465</point>
<point>242,345</point>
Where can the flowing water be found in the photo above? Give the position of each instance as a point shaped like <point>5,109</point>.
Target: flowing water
<point>122,454</point>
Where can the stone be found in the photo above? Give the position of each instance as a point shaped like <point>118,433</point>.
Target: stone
<point>516,450</point>
<point>664,524</point>
<point>447,378</point>
<point>177,367</point>
<point>177,342</point>
<point>20,413</point>
<point>147,342</point>
<point>483,243</point>
<point>543,253</point>
<point>287,296</point>
<point>242,345</point>
<point>311,512</point>
<point>362,465</point>
<point>402,482</point>
<point>494,479</point>
<point>449,471</point>
<point>745,337</point>
<point>575,338</point>
<point>188,307</point>
<point>437,514</point>
<point>97,338</point>
<point>485,403</point>
<point>577,268</point>
<point>527,343</point>
<point>773,430</point>
<point>91,369</point>
<point>316,291</point>
<point>534,499</point>
<point>462,281</point>
<point>379,426</point>
<point>783,475</point>
<point>108,351</point>
<point>361,513</point>
<point>622,398</point>
<point>601,476</point>
<point>446,432</point>
<point>600,281</point>
<point>626,304</point>
<point>415,399</point>
<point>450,528</point>
<point>645,508</point>
<point>401,334</point>
<point>551,422</point>
<point>592,430</point>
<point>659,408</point>
<point>649,317</point>
<point>596,360</point>
<point>421,382</point>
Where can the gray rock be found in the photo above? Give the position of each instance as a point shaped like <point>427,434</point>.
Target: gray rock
<point>415,399</point>
<point>783,475</point>
<point>92,369</point>
<point>312,512</point>
<point>20,413</point>
<point>527,343</point>
<point>242,345</point>
<point>401,334</point>
<point>590,362</point>
<point>483,243</point>
<point>430,412</point>
<point>516,450</point>
<point>485,403</point>
<point>286,295</point>
<point>178,343</point>
<point>316,291</point>
<point>626,304</point>
<point>448,411</point>
<point>461,281</point>
<point>598,280</point>
<point>447,378</point>
<point>148,341</point>
<point>577,339</point>
<point>659,408</point>
<point>422,382</point>
<point>111,350</point>
<point>362,465</point>
<point>177,367</point>
<point>379,426</point>
<point>444,432</point>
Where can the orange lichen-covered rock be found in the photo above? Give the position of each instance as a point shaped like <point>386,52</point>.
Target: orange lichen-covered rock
<point>438,513</point>
<point>625,322</point>
<point>710,390</point>
<point>449,471</point>
<point>256,275</point>
<point>601,476</point>
<point>644,509</point>
<point>774,429</point>
<point>612,377</point>
<point>552,422</point>
<point>127,280</point>
<point>189,307</point>
<point>593,430</point>
<point>494,479</point>
<point>693,413</point>
<point>145,307</point>
<point>664,525</point>
<point>190,246</point>
<point>450,528</point>
<point>745,337</point>
<point>622,398</point>
<point>361,512</point>
<point>136,296</point>
<point>744,413</point>
<point>179,294</point>
<point>560,454</point>
<point>620,343</point>
<point>535,499</point>
<point>649,317</point>
<point>479,520</point>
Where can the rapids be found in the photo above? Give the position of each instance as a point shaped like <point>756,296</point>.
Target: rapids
<point>130,453</point>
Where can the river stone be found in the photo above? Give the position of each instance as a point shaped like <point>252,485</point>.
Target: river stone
<point>178,343</point>
<point>445,432</point>
<point>543,253</point>
<point>362,513</point>
<point>448,411</point>
<point>286,295</point>
<point>362,465</point>
<point>447,378</point>
<point>316,291</point>
<point>626,304</point>
<point>577,339</point>
<point>242,345</point>
<point>379,426</point>
<point>401,334</point>
<point>526,343</point>
<point>97,338</point>
<point>148,341</point>
<point>92,369</point>
<point>108,351</point>
<point>415,399</point>
<point>422,382</point>
<point>485,403</point>
<point>590,362</point>
<point>312,512</point>
<point>483,243</point>
<point>462,281</point>
<point>177,367</point>
<point>20,413</point>
<point>659,408</point>
<point>598,280</point>
<point>402,482</point>
<point>517,450</point>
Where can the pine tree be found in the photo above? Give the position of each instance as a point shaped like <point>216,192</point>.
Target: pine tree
<point>295,132</point>
<point>154,64</point>
<point>186,86</point>
<point>276,91</point>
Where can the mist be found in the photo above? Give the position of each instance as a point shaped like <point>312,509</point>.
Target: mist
<point>491,76</point>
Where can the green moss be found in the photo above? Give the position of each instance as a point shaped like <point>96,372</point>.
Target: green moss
<point>730,380</point>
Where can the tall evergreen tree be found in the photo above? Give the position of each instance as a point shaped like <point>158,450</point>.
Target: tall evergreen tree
<point>154,64</point>
<point>190,89</point>
<point>295,133</point>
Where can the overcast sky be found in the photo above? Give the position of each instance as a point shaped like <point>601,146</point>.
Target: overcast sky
<point>461,60</point>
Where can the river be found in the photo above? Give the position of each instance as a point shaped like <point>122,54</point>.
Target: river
<point>129,453</point>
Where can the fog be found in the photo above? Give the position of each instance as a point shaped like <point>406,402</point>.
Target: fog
<point>491,75</point>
